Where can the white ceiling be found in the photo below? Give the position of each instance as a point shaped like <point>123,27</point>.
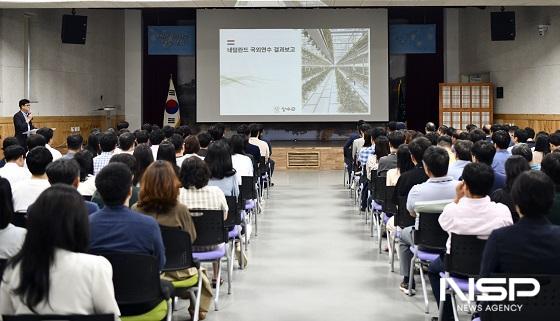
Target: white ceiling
<point>263,3</point>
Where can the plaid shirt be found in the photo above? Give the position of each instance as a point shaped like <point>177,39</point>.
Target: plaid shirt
<point>364,154</point>
<point>101,161</point>
<point>205,198</point>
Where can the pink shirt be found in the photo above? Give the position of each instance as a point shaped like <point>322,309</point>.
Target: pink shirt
<point>474,217</point>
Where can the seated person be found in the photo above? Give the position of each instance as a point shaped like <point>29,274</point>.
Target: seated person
<point>115,228</point>
<point>158,199</point>
<point>48,133</point>
<point>75,143</point>
<point>87,180</point>
<point>126,143</point>
<point>525,151</point>
<point>204,139</point>
<point>407,180</point>
<point>221,168</point>
<point>129,161</point>
<point>197,194</point>
<point>471,213</point>
<point>108,144</point>
<point>10,141</point>
<point>52,274</point>
<point>242,163</point>
<point>462,158</point>
<point>14,171</point>
<point>515,165</point>
<point>439,186</point>
<point>532,246</point>
<point>396,139</point>
<point>67,171</point>
<point>381,150</point>
<point>483,152</point>
<point>551,167</point>
<point>26,191</point>
<point>11,237</point>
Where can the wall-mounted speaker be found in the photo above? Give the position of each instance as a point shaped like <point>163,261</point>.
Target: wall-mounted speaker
<point>74,29</point>
<point>502,25</point>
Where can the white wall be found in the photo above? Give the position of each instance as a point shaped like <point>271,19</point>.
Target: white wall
<point>67,79</point>
<point>528,68</point>
<point>451,45</point>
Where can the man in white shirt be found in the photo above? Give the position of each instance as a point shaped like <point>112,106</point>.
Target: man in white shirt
<point>48,133</point>
<point>471,213</point>
<point>463,157</point>
<point>359,142</point>
<point>14,171</point>
<point>126,143</point>
<point>439,186</point>
<point>25,192</point>
<point>156,137</point>
<point>254,139</point>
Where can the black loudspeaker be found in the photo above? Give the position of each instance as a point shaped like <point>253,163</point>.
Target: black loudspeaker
<point>74,29</point>
<point>503,25</point>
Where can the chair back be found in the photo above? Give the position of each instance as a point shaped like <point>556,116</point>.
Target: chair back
<point>380,189</point>
<point>3,263</point>
<point>465,256</point>
<point>135,277</point>
<point>19,219</point>
<point>56,317</point>
<point>210,228</point>
<point>544,306</point>
<point>429,235</point>
<point>388,206</point>
<point>234,212</point>
<point>247,189</point>
<point>402,217</point>
<point>178,249</point>
<point>262,166</point>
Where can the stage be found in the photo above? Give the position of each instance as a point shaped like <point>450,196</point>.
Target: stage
<point>320,155</point>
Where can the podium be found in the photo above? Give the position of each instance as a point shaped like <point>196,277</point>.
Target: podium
<point>108,109</point>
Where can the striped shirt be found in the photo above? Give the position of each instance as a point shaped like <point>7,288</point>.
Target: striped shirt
<point>205,198</point>
<point>364,154</point>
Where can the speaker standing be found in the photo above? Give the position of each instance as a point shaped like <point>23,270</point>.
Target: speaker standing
<point>22,122</point>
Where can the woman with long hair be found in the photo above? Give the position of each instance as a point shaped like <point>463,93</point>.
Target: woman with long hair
<point>52,274</point>
<point>381,150</point>
<point>242,163</point>
<point>87,180</point>
<point>158,198</point>
<point>144,157</point>
<point>11,237</point>
<point>221,168</point>
<point>542,147</point>
<point>166,152</point>
<point>93,142</point>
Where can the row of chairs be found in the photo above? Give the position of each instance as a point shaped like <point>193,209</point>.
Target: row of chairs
<point>136,277</point>
<point>429,242</point>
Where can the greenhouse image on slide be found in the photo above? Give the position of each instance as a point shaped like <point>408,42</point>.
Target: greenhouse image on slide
<point>335,71</point>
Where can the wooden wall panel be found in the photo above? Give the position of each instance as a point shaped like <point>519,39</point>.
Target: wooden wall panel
<point>546,122</point>
<point>331,158</point>
<point>62,125</point>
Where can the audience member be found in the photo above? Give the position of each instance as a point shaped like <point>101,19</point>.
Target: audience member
<point>501,141</point>
<point>177,141</point>
<point>404,164</point>
<point>126,143</point>
<point>52,274</point>
<point>524,150</point>
<point>142,137</point>
<point>386,163</point>
<point>445,142</point>
<point>144,157</point>
<point>515,165</point>
<point>221,169</point>
<point>483,152</point>
<point>382,149</point>
<point>87,180</point>
<point>166,152</point>
<point>197,194</point>
<point>554,140</point>
<point>115,228</point>
<point>476,135</point>
<point>191,148</point>
<point>8,141</point>
<point>542,147</point>
<point>156,137</point>
<point>26,191</point>
<point>463,157</point>
<point>35,140</point>
<point>532,246</point>
<point>530,132</point>
<point>472,213</point>
<point>168,131</point>
<point>14,170</point>
<point>11,237</point>
<point>254,139</point>
<point>108,143</point>
<point>430,127</point>
<point>204,140</point>
<point>416,175</point>
<point>158,199</point>
<point>74,143</point>
<point>123,124</point>
<point>439,186</point>
<point>242,164</point>
<point>130,162</point>
<point>519,137</point>
<point>551,167</point>
<point>48,134</point>
<point>93,143</point>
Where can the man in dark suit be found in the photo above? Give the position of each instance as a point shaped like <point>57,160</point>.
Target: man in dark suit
<point>22,121</point>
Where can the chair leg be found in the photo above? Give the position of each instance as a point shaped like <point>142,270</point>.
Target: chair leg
<point>242,249</point>
<point>198,295</point>
<point>393,250</point>
<point>379,238</point>
<point>373,222</point>
<point>424,292</point>
<point>230,272</point>
<point>411,274</point>
<point>169,315</point>
<point>256,224</point>
<point>218,278</point>
<point>454,306</point>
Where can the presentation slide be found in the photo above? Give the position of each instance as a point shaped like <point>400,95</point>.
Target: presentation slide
<point>293,65</point>
<point>294,71</point>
